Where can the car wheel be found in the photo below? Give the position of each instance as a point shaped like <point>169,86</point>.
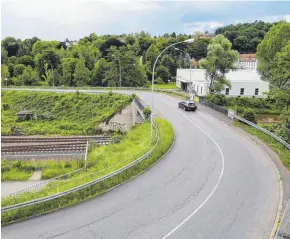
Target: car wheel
<point>184,108</point>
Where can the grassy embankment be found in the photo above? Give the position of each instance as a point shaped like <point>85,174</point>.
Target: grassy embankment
<point>64,114</point>
<point>102,160</point>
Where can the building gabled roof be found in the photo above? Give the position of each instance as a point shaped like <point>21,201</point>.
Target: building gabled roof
<point>247,57</point>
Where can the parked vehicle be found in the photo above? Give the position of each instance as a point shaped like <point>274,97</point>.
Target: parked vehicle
<point>187,105</point>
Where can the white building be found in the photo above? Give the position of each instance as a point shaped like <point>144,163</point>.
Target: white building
<point>244,82</point>
<point>247,61</point>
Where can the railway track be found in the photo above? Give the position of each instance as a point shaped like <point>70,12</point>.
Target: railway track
<point>24,145</point>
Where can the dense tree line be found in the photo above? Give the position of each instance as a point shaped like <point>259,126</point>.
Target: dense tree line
<point>95,60</point>
<point>247,36</point>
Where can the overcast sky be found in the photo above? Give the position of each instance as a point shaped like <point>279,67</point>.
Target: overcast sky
<point>74,19</point>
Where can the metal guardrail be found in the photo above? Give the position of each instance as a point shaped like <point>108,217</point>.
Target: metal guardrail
<point>234,116</point>
<point>98,180</point>
<point>263,130</point>
<point>38,186</point>
<point>283,231</point>
<point>139,107</point>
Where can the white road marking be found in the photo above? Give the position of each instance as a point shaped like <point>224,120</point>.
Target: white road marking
<point>217,184</point>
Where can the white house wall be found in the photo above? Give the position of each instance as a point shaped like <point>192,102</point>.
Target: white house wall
<point>247,79</point>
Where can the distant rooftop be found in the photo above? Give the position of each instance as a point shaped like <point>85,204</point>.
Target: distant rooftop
<point>247,57</point>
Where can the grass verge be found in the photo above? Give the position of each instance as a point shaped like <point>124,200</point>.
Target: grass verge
<point>16,175</point>
<point>18,170</point>
<point>166,139</point>
<point>277,147</point>
<point>170,85</point>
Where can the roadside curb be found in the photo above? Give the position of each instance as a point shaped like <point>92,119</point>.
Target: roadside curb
<point>279,210</point>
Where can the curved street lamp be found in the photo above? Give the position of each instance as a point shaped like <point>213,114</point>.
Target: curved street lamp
<point>152,91</point>
<point>190,65</point>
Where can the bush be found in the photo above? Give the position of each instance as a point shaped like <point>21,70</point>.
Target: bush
<point>250,116</point>
<point>159,81</point>
<point>147,113</point>
<point>220,100</point>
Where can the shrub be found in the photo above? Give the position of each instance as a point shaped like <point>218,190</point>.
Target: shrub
<point>147,113</point>
<point>240,110</point>
<point>5,106</point>
<point>159,81</point>
<point>249,115</point>
<point>220,100</point>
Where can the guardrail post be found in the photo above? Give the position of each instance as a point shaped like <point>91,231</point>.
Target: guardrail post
<point>86,155</point>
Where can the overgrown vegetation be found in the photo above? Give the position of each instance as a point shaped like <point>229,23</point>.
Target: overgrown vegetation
<point>166,139</point>
<point>245,37</point>
<point>16,170</point>
<point>240,104</point>
<point>63,113</point>
<point>280,149</point>
<point>21,170</point>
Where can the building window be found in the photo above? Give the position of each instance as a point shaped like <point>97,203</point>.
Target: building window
<point>200,90</point>
<point>197,88</point>
<point>256,91</point>
<point>242,91</point>
<point>227,91</point>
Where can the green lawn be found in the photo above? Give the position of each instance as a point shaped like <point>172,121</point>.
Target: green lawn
<point>171,85</point>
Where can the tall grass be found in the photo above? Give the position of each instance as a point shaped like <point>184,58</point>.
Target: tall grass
<point>166,136</point>
<point>18,170</point>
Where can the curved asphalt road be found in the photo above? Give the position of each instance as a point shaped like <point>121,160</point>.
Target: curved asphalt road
<point>213,184</point>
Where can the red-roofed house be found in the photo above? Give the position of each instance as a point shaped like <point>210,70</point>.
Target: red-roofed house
<point>247,61</point>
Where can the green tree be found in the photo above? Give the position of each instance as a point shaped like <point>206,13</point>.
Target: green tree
<point>41,46</point>
<point>68,66</point>
<point>11,45</point>
<point>26,60</point>
<point>18,69</point>
<point>81,75</point>
<point>198,49</point>
<point>49,57</point>
<point>170,64</point>
<point>4,72</point>
<point>99,72</point>
<point>151,56</point>
<point>29,76</point>
<point>220,60</point>
<point>245,37</point>
<point>163,73</point>
<point>281,68</point>
<point>241,43</point>
<point>269,56</point>
<point>4,55</point>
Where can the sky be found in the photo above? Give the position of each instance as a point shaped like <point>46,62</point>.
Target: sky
<point>74,19</point>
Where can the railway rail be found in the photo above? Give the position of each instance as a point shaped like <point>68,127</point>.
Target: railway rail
<point>24,145</point>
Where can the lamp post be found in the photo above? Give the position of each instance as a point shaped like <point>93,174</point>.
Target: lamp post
<point>190,65</point>
<point>152,91</point>
<point>6,79</point>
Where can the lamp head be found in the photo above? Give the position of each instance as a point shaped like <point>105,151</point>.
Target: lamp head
<point>191,40</point>
<point>177,49</point>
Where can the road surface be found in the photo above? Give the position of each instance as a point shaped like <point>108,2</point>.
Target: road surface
<point>214,183</point>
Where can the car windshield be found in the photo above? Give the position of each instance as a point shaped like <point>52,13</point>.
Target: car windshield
<point>191,104</point>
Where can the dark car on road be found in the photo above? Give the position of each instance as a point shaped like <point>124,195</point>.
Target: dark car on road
<point>187,105</point>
